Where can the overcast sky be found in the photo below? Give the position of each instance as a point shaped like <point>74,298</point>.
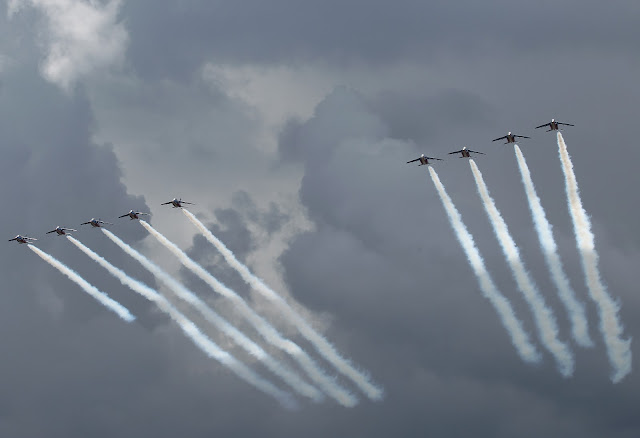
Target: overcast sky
<point>289,123</point>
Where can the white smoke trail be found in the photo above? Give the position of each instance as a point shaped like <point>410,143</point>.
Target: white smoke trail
<point>104,299</point>
<point>199,338</point>
<point>542,314</point>
<point>322,346</point>
<point>575,308</point>
<point>618,349</point>
<point>519,337</point>
<point>286,374</point>
<point>270,334</point>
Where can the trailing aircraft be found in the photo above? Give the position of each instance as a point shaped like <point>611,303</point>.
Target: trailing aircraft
<point>61,231</point>
<point>466,153</point>
<point>424,161</point>
<point>553,125</point>
<point>23,239</point>
<point>511,138</point>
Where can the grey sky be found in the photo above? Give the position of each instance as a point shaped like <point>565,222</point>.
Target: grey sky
<point>288,123</point>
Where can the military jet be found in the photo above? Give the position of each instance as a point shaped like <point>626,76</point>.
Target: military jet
<point>61,231</point>
<point>553,125</point>
<point>133,214</point>
<point>97,223</point>
<point>177,203</point>
<point>466,153</point>
<point>23,239</point>
<point>424,161</point>
<point>511,138</point>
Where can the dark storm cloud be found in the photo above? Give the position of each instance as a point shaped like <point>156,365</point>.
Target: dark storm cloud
<point>385,262</point>
<point>71,367</point>
<point>381,264</point>
<point>375,32</point>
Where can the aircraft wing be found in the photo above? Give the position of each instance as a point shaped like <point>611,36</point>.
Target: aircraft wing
<point>105,223</point>
<point>49,232</point>
<point>521,136</point>
<point>417,159</point>
<point>11,240</point>
<point>124,215</point>
<point>456,152</point>
<point>432,158</point>
<point>476,152</point>
<point>167,203</point>
<point>566,124</point>
<point>501,138</point>
<point>146,214</point>
<point>69,229</point>
<point>542,126</point>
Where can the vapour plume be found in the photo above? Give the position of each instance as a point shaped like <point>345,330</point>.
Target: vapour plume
<point>104,299</point>
<point>519,337</point>
<point>189,328</point>
<point>266,330</point>
<point>575,308</point>
<point>321,344</point>
<point>542,315</point>
<point>618,349</point>
<point>282,371</point>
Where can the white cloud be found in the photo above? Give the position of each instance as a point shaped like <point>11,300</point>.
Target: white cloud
<point>81,36</point>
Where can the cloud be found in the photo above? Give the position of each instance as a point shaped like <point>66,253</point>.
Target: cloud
<point>81,37</point>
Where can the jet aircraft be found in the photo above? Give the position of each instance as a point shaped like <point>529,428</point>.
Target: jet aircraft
<point>466,153</point>
<point>97,223</point>
<point>23,239</point>
<point>511,138</point>
<point>133,214</point>
<point>553,125</point>
<point>177,203</point>
<point>61,231</point>
<point>423,160</point>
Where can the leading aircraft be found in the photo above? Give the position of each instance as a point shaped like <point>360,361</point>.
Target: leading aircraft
<point>177,203</point>
<point>133,214</point>
<point>61,231</point>
<point>23,239</point>
<point>553,125</point>
<point>97,223</point>
<point>511,138</point>
<point>424,161</point>
<point>466,153</point>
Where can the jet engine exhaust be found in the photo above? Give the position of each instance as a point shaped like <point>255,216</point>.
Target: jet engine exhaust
<point>322,345</point>
<point>205,344</point>
<point>618,349</point>
<point>519,337</point>
<point>575,308</point>
<point>104,299</point>
<point>542,314</point>
<point>266,330</point>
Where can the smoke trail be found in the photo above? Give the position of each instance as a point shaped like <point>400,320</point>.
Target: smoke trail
<point>575,308</point>
<point>542,315</point>
<point>519,337</point>
<point>106,301</point>
<point>270,334</point>
<point>199,338</point>
<point>618,349</point>
<point>286,374</point>
<point>321,345</point>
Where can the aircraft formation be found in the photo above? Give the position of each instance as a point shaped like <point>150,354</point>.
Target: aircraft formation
<point>553,125</point>
<point>310,379</point>
<point>610,325</point>
<point>98,223</point>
